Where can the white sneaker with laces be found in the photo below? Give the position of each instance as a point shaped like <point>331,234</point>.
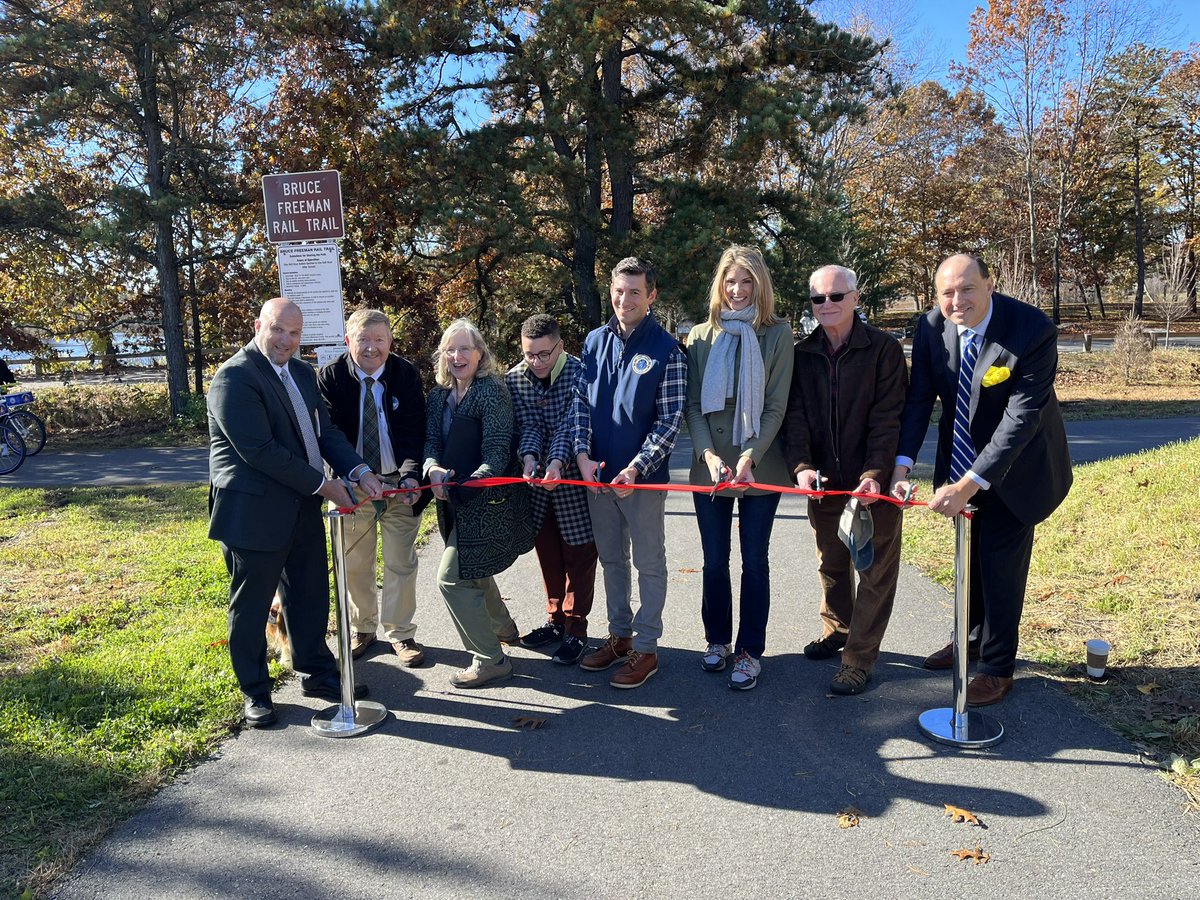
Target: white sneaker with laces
<point>713,659</point>
<point>480,673</point>
<point>746,670</point>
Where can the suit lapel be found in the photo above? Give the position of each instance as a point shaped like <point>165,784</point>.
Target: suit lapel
<point>989,351</point>
<point>950,370</point>
<point>275,385</point>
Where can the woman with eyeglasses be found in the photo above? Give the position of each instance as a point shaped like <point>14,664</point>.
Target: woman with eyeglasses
<point>739,371</point>
<point>843,422</point>
<point>470,434</point>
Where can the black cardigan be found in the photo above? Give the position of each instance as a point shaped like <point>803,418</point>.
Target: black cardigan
<point>403,400</point>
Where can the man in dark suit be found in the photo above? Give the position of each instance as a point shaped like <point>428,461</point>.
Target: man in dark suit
<point>1001,446</point>
<point>268,432</point>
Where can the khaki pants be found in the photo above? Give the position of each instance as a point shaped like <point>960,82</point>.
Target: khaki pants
<point>395,608</point>
<point>475,606</point>
<point>860,611</point>
<point>632,528</point>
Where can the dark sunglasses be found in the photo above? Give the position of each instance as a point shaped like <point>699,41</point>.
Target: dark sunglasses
<point>818,299</point>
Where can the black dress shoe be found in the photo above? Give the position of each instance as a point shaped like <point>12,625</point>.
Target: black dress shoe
<point>260,711</point>
<point>826,647</point>
<point>331,689</point>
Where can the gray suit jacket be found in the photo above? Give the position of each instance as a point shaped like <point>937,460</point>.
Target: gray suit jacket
<point>1015,421</point>
<point>258,469</point>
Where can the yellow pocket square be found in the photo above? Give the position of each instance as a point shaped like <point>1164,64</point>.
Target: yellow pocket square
<point>996,374</point>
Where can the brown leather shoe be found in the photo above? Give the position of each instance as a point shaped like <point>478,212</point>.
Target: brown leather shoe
<point>409,652</point>
<point>612,651</point>
<point>944,658</point>
<point>360,641</point>
<point>984,690</point>
<point>637,669</point>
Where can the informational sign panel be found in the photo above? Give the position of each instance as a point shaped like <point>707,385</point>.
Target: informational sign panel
<point>326,355</point>
<point>304,206</point>
<point>310,276</point>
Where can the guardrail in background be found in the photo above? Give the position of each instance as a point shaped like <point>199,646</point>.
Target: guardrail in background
<point>104,360</point>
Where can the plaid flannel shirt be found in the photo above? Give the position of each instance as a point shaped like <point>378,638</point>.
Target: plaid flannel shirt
<point>541,411</point>
<point>576,435</point>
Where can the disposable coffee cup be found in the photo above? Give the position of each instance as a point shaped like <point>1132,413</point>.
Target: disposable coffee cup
<point>1097,658</point>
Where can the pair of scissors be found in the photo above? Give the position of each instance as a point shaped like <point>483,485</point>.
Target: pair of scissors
<point>724,475</point>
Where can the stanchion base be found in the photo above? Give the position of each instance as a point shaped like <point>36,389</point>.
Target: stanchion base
<point>976,730</point>
<point>342,721</point>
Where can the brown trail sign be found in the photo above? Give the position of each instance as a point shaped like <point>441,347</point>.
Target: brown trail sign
<point>303,206</point>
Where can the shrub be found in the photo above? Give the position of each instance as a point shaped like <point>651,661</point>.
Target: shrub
<point>1131,351</point>
<point>94,407</point>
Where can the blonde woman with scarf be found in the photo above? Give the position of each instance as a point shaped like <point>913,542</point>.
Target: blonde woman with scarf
<point>739,372</point>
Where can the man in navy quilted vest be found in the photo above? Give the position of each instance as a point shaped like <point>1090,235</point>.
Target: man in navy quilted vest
<point>628,402</point>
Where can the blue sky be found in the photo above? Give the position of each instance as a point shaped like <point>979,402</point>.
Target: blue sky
<point>936,30</point>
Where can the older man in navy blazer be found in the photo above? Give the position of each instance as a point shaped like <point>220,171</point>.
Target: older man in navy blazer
<point>268,433</point>
<point>1001,447</point>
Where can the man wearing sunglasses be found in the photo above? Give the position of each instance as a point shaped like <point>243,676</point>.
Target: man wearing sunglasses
<point>843,421</point>
<point>1001,447</point>
<point>541,387</point>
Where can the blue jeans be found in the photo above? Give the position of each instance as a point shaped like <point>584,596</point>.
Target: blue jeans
<point>756,517</point>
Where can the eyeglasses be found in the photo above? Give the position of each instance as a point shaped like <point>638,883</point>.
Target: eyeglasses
<point>818,299</point>
<point>459,351</point>
<point>542,357</point>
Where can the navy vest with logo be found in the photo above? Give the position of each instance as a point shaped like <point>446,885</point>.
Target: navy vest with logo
<point>623,379</point>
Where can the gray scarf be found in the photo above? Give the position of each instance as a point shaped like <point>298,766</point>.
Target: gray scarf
<point>751,378</point>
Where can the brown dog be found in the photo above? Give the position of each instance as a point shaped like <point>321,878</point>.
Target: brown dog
<point>278,646</point>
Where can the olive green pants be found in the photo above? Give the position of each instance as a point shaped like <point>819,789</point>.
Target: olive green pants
<point>475,605</point>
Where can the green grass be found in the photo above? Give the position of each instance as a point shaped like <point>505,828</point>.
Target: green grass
<point>112,671</point>
<point>1118,560</point>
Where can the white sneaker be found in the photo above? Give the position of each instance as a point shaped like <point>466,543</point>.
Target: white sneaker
<point>478,673</point>
<point>713,659</point>
<point>746,670</point>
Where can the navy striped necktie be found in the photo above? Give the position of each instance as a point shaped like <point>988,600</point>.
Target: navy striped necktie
<point>962,455</point>
<point>370,426</point>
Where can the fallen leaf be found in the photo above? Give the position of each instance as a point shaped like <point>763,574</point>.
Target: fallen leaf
<point>1143,484</point>
<point>957,814</point>
<point>689,571</point>
<point>849,817</point>
<point>977,854</point>
<point>1119,579</point>
<point>221,643</point>
<point>917,871</point>
<point>528,722</point>
<point>1149,687</point>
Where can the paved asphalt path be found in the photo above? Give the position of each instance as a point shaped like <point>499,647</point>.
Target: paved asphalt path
<point>682,788</point>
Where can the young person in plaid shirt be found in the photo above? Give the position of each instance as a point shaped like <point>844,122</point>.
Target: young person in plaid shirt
<point>625,415</point>
<point>541,389</point>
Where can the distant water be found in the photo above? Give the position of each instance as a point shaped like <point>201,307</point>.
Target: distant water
<point>78,350</point>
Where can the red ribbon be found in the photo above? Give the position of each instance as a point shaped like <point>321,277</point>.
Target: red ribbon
<point>500,481</point>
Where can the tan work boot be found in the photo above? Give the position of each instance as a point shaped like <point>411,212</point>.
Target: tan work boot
<point>360,642</point>
<point>612,651</point>
<point>409,652</point>
<point>637,669</point>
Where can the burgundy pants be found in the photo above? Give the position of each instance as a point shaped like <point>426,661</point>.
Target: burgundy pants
<point>569,573</point>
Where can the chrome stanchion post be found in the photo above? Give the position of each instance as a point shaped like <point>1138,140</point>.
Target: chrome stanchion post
<point>956,725</point>
<point>350,717</point>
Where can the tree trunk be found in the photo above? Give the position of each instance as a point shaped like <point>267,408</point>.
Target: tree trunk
<point>616,146</point>
<point>197,342</point>
<point>166,260</point>
<point>1031,209</point>
<point>1087,307</point>
<point>1139,229</point>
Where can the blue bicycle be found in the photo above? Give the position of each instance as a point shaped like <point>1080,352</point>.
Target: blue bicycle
<point>30,427</point>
